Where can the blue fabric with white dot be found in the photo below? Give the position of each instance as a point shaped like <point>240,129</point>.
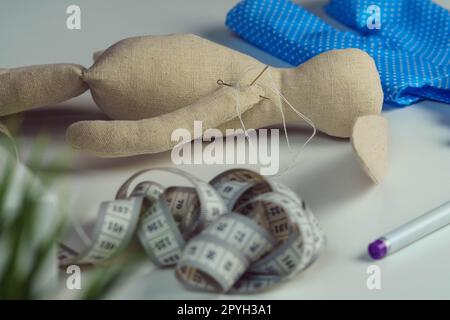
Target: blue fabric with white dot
<point>411,47</point>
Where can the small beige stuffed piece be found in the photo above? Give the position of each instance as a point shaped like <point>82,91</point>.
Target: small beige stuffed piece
<point>153,85</point>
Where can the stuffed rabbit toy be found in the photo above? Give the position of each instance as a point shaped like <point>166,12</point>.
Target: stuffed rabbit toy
<point>154,84</point>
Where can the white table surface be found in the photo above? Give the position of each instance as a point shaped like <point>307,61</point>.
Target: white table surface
<point>350,209</point>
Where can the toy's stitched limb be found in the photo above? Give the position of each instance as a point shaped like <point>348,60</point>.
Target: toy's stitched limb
<point>28,87</point>
<point>370,143</point>
<point>125,138</point>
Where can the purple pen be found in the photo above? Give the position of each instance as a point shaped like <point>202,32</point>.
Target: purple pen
<point>410,232</point>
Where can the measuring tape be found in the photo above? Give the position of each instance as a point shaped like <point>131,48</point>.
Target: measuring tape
<point>238,233</point>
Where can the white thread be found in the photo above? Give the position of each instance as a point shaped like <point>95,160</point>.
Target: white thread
<point>237,87</point>
<point>279,104</point>
<point>238,108</point>
<point>238,100</point>
<point>301,115</point>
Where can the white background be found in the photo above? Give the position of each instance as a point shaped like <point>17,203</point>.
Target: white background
<point>351,210</point>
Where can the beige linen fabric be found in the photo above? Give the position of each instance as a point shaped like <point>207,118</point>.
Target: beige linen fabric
<point>121,138</point>
<point>29,87</point>
<point>155,84</point>
<point>144,77</point>
<point>335,88</point>
<point>370,141</point>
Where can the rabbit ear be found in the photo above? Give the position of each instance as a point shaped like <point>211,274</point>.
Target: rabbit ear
<point>370,142</point>
<point>126,138</point>
<point>28,87</point>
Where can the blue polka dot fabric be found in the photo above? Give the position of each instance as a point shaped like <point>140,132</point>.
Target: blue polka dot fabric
<point>408,39</point>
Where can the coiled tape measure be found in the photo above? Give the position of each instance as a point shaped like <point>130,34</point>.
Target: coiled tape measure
<point>238,233</point>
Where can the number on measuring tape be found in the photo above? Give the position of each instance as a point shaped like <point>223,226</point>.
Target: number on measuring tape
<point>238,233</point>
